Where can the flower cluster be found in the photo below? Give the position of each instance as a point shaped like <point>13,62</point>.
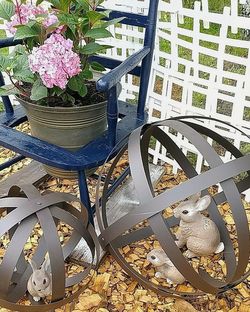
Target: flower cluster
<point>57,38</point>
<point>26,12</point>
<point>55,61</point>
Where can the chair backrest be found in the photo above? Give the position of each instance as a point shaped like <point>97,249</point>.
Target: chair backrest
<point>201,67</point>
<point>136,30</point>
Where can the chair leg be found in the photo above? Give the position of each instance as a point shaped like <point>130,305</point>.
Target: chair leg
<point>84,194</point>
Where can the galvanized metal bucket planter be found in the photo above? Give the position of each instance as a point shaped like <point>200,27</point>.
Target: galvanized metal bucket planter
<point>68,127</point>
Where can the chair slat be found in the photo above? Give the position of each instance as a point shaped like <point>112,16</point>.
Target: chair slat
<point>129,18</point>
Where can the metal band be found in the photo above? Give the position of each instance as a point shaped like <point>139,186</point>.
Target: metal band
<point>113,236</point>
<point>26,208</point>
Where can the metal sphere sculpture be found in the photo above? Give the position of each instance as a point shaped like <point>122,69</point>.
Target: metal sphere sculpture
<point>25,208</point>
<point>150,207</point>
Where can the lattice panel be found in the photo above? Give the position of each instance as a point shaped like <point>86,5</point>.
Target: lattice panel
<point>201,67</point>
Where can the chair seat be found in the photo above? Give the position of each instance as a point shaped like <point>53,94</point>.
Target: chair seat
<point>89,156</point>
<point>96,152</point>
<point>13,120</point>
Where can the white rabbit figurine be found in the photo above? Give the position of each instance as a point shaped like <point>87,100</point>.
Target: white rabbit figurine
<point>40,284</point>
<point>199,233</point>
<point>165,267</point>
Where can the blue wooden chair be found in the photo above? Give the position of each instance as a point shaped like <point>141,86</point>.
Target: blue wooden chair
<point>122,117</point>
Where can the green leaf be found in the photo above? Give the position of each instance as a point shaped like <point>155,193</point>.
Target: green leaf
<point>83,4</point>
<point>97,66</point>
<point>61,4</point>
<point>25,32</point>
<point>66,97</point>
<point>8,90</point>
<point>76,83</point>
<point>112,22</point>
<point>87,74</point>
<point>5,62</point>
<point>95,16</point>
<point>100,2</point>
<point>57,91</point>
<point>65,4</point>
<point>19,49</point>
<point>68,20</point>
<point>91,48</point>
<point>24,75</point>
<point>7,9</point>
<point>38,91</point>
<point>21,71</point>
<point>98,33</point>
<point>21,62</point>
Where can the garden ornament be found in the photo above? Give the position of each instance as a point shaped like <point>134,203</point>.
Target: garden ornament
<point>148,219</point>
<point>199,233</point>
<point>165,267</point>
<point>54,280</point>
<point>40,284</point>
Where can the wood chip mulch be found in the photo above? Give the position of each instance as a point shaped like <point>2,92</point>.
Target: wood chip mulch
<point>111,289</point>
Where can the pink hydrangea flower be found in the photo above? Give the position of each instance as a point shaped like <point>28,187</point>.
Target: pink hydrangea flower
<point>24,13</point>
<point>50,20</point>
<point>55,61</point>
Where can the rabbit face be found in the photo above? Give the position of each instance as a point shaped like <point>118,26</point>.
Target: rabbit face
<point>158,257</point>
<point>189,210</point>
<point>40,280</point>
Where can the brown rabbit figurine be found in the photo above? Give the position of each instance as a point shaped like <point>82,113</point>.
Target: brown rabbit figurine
<point>199,233</point>
<point>165,267</point>
<point>40,284</point>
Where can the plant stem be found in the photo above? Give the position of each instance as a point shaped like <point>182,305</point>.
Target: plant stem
<point>18,11</point>
<point>17,86</point>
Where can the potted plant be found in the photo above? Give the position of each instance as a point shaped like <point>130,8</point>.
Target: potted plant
<point>51,72</point>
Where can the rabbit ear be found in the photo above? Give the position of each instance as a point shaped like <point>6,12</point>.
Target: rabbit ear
<point>203,203</point>
<point>164,258</point>
<point>177,212</point>
<point>194,198</point>
<point>46,265</point>
<point>33,265</point>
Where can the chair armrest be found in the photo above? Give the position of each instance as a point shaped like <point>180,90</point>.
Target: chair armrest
<point>9,42</point>
<point>114,76</point>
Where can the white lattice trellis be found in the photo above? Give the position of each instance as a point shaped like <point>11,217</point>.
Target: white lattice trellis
<point>201,67</point>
